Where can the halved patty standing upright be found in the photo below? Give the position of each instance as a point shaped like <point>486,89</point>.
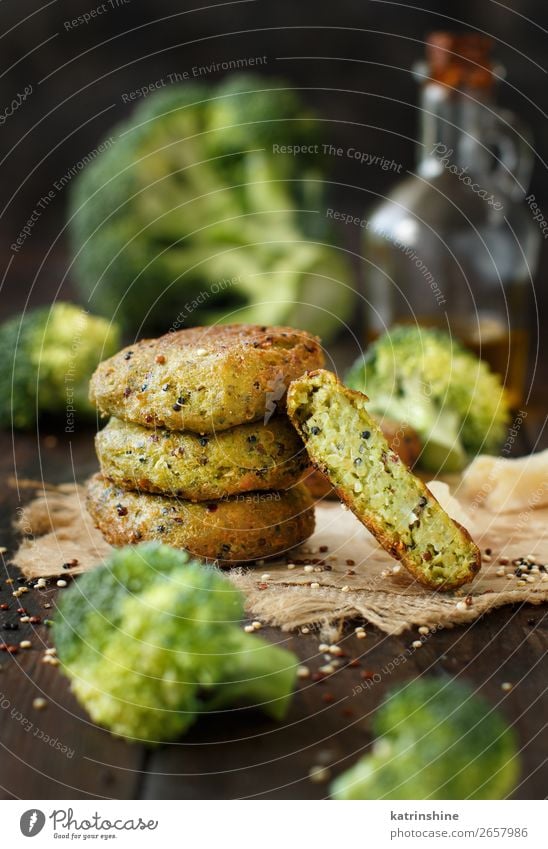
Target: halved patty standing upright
<point>346,443</point>
<point>204,379</point>
<point>253,456</point>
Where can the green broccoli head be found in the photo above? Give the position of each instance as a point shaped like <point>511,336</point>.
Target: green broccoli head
<point>428,380</point>
<point>248,111</point>
<point>153,638</point>
<point>49,354</point>
<point>436,740</point>
<point>190,185</point>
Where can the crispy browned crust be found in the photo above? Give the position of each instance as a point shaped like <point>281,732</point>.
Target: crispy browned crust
<point>204,379</point>
<point>385,539</point>
<point>201,468</point>
<point>235,530</point>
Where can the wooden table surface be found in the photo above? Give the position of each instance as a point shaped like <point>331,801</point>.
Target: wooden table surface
<point>56,753</point>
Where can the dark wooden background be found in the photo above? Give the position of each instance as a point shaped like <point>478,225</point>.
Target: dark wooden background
<point>236,754</point>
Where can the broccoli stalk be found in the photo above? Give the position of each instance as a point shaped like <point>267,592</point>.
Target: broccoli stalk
<point>436,740</point>
<point>427,380</point>
<point>152,639</point>
<point>48,356</point>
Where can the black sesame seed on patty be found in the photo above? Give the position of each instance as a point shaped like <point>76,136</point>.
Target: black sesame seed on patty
<point>365,434</point>
<point>315,430</point>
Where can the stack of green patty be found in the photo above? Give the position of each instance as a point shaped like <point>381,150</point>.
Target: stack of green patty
<point>198,452</point>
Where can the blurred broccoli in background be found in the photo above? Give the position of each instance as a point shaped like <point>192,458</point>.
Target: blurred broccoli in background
<point>48,355</point>
<point>436,740</point>
<point>424,378</point>
<point>193,212</point>
<point>152,639</point>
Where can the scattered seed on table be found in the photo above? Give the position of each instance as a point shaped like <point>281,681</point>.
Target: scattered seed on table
<point>25,619</point>
<point>308,568</point>
<point>61,583</point>
<point>416,644</point>
<point>345,589</point>
<point>51,650</point>
<point>424,629</point>
<point>361,635</point>
<point>256,625</point>
<point>323,647</point>
<point>265,577</point>
<point>327,669</point>
<point>303,672</point>
<point>314,585</point>
<point>290,566</point>
<point>39,704</point>
<point>305,630</point>
<point>249,629</point>
<point>25,644</point>
<point>506,686</point>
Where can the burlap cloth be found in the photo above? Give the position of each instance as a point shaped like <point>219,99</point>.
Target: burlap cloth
<point>356,578</point>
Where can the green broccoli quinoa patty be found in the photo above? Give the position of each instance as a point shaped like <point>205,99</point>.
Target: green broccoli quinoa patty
<point>198,468</point>
<point>346,443</point>
<point>238,529</point>
<point>204,379</point>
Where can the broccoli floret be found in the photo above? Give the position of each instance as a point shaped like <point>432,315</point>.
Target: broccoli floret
<point>436,740</point>
<point>48,356</point>
<point>153,638</point>
<point>425,378</point>
<point>191,187</point>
